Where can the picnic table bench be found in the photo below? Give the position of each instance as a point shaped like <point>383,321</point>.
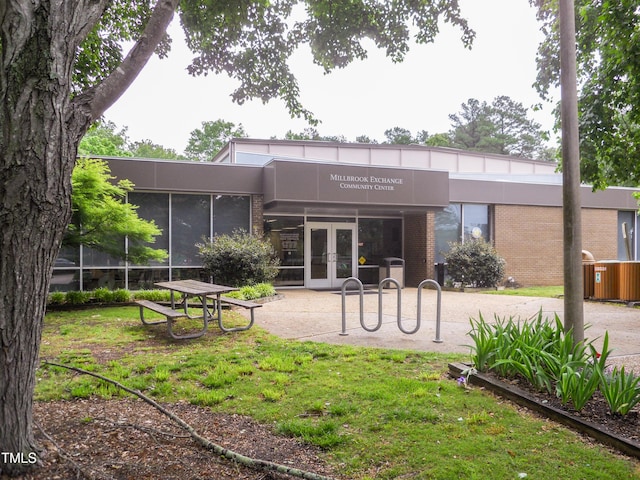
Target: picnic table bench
<point>251,306</point>
<point>203,291</point>
<point>169,313</point>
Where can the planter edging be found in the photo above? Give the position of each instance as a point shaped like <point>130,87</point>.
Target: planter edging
<point>524,399</point>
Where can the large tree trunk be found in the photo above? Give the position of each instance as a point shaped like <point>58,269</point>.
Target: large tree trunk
<point>41,124</point>
<point>38,146</point>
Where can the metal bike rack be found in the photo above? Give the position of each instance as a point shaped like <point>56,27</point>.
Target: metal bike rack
<point>344,308</point>
<point>438,309</point>
<point>381,285</point>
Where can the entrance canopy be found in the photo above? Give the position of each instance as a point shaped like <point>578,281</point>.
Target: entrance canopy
<point>295,186</point>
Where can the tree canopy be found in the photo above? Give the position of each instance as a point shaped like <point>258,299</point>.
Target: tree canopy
<point>502,127</point>
<point>608,47</point>
<point>104,138</point>
<point>204,143</point>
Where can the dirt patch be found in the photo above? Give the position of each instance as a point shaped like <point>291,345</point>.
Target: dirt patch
<point>129,439</point>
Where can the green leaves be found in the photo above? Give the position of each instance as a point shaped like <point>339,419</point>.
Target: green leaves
<point>101,219</point>
<point>207,141</point>
<point>608,56</point>
<point>239,259</point>
<point>544,355</point>
<point>254,41</point>
<point>474,263</point>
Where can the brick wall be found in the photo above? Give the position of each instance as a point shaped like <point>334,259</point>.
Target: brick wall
<point>529,238</point>
<point>419,247</point>
<point>415,249</point>
<point>257,211</point>
<point>600,233</point>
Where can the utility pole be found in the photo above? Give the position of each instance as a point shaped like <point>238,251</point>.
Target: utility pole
<point>572,215</point>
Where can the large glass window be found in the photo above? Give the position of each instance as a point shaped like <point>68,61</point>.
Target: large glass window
<point>476,221</point>
<point>627,237</point>
<point>190,220</point>
<point>231,212</point>
<point>287,237</point>
<point>154,206</point>
<point>460,223</point>
<point>378,238</point>
<point>448,228</point>
<point>184,220</point>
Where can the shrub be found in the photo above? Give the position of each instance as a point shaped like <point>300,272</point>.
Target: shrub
<point>57,298</point>
<point>155,295</point>
<point>474,263</point>
<point>77,297</point>
<point>250,292</point>
<point>103,295</point>
<point>121,295</point>
<point>239,259</point>
<point>265,290</point>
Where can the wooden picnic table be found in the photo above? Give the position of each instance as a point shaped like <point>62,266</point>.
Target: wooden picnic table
<point>180,309</point>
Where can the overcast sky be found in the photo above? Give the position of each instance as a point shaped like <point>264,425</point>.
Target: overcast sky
<point>366,98</point>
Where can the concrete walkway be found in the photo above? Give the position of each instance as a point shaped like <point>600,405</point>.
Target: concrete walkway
<point>317,316</point>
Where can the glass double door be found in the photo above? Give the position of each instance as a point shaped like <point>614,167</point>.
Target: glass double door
<point>330,254</point>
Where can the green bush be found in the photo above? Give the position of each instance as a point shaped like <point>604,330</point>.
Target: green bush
<point>250,292</point>
<point>239,259</point>
<point>121,295</point>
<point>77,298</point>
<point>265,290</point>
<point>57,298</point>
<point>103,295</point>
<point>474,263</point>
<point>155,295</point>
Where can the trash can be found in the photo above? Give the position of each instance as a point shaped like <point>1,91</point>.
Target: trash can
<point>440,269</point>
<point>392,267</point>
<point>606,280</point>
<point>588,274</point>
<point>629,281</point>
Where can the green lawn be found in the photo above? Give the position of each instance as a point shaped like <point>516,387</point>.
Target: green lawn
<point>377,413</point>
<point>553,292</point>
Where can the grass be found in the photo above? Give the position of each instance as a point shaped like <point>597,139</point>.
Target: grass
<point>376,413</point>
<point>552,291</point>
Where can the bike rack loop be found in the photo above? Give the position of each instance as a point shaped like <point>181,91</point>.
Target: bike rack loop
<point>439,302</point>
<point>344,308</point>
<point>381,285</point>
<point>399,301</point>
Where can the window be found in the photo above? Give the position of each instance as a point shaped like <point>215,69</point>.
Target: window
<point>184,219</point>
<point>627,228</point>
<point>458,223</point>
<point>154,206</point>
<point>230,213</point>
<point>287,237</point>
<point>378,238</point>
<point>190,220</point>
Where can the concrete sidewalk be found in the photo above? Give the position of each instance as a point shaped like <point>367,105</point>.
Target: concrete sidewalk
<point>317,316</point>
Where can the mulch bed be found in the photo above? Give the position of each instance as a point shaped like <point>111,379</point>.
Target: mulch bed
<point>129,439</point>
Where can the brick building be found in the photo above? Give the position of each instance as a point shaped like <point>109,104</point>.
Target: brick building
<point>336,210</point>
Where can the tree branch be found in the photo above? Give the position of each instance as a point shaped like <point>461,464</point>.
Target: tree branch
<point>110,90</point>
<point>256,464</point>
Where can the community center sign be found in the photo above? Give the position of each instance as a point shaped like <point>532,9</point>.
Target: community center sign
<point>354,185</point>
<point>351,182</point>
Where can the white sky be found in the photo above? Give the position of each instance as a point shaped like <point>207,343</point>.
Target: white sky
<point>366,98</point>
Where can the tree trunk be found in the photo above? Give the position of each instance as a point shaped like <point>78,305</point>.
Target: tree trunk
<point>572,204</point>
<point>41,124</point>
<point>38,147</point>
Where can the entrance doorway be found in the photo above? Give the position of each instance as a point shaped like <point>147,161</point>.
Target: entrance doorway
<point>330,253</point>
